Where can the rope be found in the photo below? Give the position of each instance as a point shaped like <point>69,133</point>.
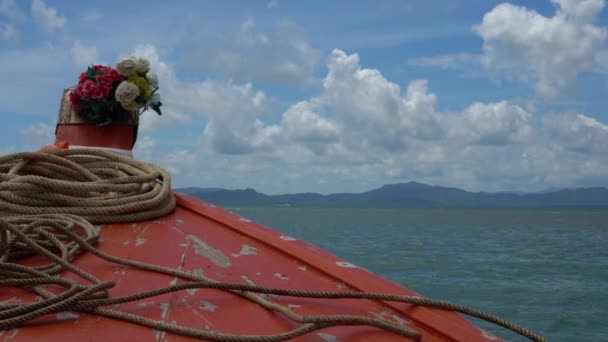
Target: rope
<point>49,203</point>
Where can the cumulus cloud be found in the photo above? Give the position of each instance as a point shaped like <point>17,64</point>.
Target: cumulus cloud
<point>46,16</point>
<point>498,123</point>
<point>362,130</point>
<point>548,52</point>
<point>577,132</point>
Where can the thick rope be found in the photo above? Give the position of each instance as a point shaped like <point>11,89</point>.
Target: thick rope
<point>49,203</point>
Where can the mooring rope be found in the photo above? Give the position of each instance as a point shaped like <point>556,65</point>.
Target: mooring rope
<point>49,203</point>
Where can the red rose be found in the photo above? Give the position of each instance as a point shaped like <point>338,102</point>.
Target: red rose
<point>100,67</point>
<point>86,88</point>
<point>98,93</point>
<point>116,76</point>
<point>105,80</point>
<point>105,90</point>
<point>83,77</point>
<point>74,99</point>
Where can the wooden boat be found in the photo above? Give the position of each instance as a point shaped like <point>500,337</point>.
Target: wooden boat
<point>202,239</point>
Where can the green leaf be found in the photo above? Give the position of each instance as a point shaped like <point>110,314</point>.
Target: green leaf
<point>91,73</point>
<point>156,107</point>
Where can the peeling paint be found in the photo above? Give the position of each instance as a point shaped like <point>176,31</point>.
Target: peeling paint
<point>173,282</point>
<point>215,256</point>
<point>248,280</point>
<point>246,250</point>
<point>191,291</point>
<point>159,335</point>
<point>10,301</point>
<point>197,272</point>
<point>328,337</point>
<point>144,304</point>
<point>287,238</point>
<point>303,268</point>
<point>293,306</point>
<point>140,241</point>
<point>281,276</point>
<point>345,264</point>
<point>245,219</point>
<point>65,315</point>
<point>385,315</point>
<point>126,242</point>
<point>489,335</point>
<point>179,221</point>
<point>207,306</point>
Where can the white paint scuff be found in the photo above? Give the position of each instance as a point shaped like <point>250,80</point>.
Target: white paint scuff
<point>215,256</point>
<point>246,250</point>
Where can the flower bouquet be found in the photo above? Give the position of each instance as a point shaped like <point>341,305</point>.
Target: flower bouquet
<point>105,95</point>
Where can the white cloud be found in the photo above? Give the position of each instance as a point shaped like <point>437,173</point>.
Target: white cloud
<point>498,123</point>
<point>92,17</point>
<point>10,9</point>
<point>577,132</point>
<point>8,31</point>
<point>583,10</point>
<point>37,135</point>
<point>547,52</point>
<point>84,55</point>
<point>448,61</point>
<point>46,16</point>
<point>282,56</point>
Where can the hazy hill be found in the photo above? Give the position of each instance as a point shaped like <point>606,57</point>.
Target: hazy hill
<point>406,194</point>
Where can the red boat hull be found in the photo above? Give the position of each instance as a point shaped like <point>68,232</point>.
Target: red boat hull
<point>199,237</point>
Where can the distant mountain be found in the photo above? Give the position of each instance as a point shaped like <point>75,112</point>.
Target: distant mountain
<point>410,194</point>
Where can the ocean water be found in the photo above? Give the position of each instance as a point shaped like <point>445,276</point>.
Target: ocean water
<point>545,269</point>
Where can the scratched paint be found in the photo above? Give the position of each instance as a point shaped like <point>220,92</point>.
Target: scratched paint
<point>248,280</point>
<point>387,315</point>
<point>328,337</point>
<point>246,250</point>
<point>65,315</point>
<point>207,306</point>
<point>281,276</point>
<point>215,256</point>
<point>489,335</point>
<point>139,241</point>
<point>287,238</point>
<point>345,264</point>
<point>245,220</point>
<point>159,335</point>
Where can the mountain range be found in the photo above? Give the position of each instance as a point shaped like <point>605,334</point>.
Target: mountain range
<point>410,194</point>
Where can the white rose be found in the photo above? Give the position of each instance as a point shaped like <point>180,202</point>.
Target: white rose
<point>142,66</point>
<point>155,98</point>
<point>127,66</point>
<point>153,79</point>
<point>126,92</point>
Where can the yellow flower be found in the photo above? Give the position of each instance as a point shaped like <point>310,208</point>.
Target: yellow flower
<point>131,106</point>
<point>143,84</point>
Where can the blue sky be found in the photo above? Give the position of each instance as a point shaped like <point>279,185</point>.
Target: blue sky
<point>292,96</point>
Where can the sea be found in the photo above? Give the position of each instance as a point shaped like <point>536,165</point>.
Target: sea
<point>543,268</point>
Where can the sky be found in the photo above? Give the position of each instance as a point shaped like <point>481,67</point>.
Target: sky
<point>342,96</point>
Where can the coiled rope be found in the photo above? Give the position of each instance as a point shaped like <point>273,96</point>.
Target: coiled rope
<point>49,203</point>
